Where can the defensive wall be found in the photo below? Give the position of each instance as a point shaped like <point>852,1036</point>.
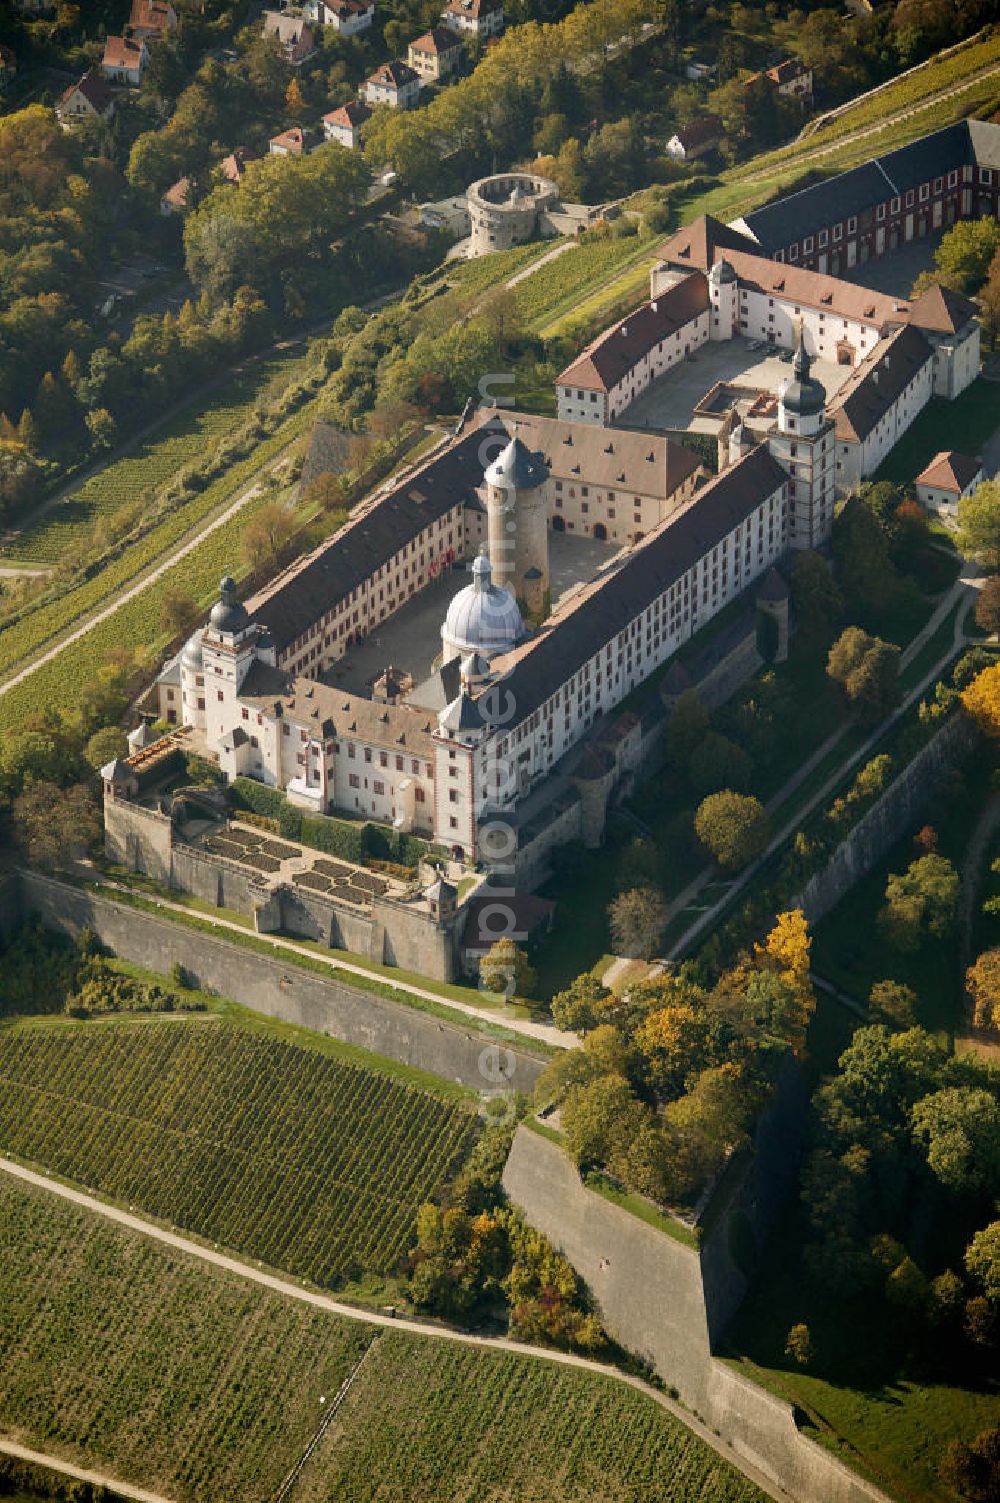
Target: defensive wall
<point>281,989</point>
<point>887,820</point>
<point>669,1302</point>
<point>388,931</point>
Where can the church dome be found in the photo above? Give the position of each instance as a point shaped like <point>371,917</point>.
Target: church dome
<point>483,617</point>
<point>228,614</point>
<point>515,467</point>
<point>803,396</point>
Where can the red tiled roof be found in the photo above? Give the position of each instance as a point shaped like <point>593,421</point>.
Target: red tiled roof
<point>697,244</point>
<point>436,41</point>
<point>878,382</point>
<point>950,471</point>
<point>94,90</point>
<point>613,354</point>
<point>474,8</point>
<point>350,115</point>
<point>149,15</point>
<point>234,166</point>
<point>178,195</point>
<point>122,52</point>
<point>294,139</point>
<point>393,75</point>
<point>941,310</point>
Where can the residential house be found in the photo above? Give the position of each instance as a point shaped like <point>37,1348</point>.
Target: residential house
<point>233,167</point>
<point>294,142</point>
<point>8,65</point>
<point>89,99</point>
<point>177,200</point>
<point>700,72</point>
<point>125,60</point>
<point>696,139</point>
<point>478,18</point>
<point>346,16</point>
<point>152,19</point>
<point>344,125</point>
<point>437,54</point>
<point>295,36</point>
<point>791,79</point>
<point>394,84</point>
<point>948,477</point>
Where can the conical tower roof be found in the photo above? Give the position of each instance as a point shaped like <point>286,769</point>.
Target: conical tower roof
<point>517,468</point>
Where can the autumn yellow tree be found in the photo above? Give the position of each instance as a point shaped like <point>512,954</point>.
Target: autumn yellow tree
<point>981,699</point>
<point>294,98</point>
<point>983,982</point>
<point>785,952</point>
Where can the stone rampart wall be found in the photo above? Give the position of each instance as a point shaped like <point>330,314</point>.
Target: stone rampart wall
<point>457,1051</point>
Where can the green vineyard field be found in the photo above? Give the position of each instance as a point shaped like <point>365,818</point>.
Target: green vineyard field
<point>119,1354</point>
<point>478,1424</point>
<point>191,435</point>
<point>126,1356</point>
<point>137,622</point>
<point>286,1154</point>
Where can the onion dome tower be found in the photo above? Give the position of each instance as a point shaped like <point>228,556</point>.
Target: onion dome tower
<point>804,445</point>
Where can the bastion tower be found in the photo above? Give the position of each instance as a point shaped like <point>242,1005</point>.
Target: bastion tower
<point>517,516</point>
<point>803,444</point>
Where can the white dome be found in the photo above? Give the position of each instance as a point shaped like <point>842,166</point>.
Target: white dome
<point>483,617</point>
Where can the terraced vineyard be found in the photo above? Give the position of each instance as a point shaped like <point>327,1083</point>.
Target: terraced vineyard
<point>137,622</point>
<point>190,436</point>
<point>126,1356</point>
<point>119,1354</point>
<point>557,289</point>
<point>292,1156</point>
<point>479,1424</point>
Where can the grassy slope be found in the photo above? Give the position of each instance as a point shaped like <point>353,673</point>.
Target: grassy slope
<point>288,1154</point>
<point>965,423</point>
<point>120,1353</point>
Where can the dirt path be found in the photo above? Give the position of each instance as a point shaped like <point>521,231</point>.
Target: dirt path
<point>142,581</point>
<point>79,1473</point>
<point>405,1324</point>
<point>551,255</point>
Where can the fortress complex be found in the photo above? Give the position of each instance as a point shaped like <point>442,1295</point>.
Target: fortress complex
<point>515,716</point>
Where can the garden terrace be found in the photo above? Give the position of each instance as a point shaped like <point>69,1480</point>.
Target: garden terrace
<point>300,865</point>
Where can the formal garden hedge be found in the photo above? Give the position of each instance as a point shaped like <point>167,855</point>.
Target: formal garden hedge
<point>359,841</point>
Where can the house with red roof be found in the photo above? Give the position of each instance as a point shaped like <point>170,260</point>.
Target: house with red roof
<point>948,478</point>
<point>344,125</point>
<point>152,19</point>
<point>88,99</point>
<point>478,18</point>
<point>125,60</point>
<point>233,167</point>
<point>394,84</point>
<point>696,139</point>
<point>347,17</point>
<point>294,142</point>
<point>437,54</point>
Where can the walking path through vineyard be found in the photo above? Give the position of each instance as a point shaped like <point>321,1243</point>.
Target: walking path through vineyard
<point>79,1473</point>
<point>146,578</point>
<point>547,1033</point>
<point>376,1318</point>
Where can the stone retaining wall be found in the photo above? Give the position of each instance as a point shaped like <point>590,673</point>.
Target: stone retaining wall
<point>457,1051</point>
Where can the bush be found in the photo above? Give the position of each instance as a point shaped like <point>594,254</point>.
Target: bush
<point>334,836</point>
<point>250,794</point>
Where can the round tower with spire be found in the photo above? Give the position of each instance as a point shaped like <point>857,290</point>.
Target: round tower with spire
<point>517,515</point>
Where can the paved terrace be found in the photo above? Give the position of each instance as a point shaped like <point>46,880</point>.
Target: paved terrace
<point>670,402</point>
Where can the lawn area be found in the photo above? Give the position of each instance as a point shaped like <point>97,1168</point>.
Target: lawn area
<point>965,423</point>
<point>864,1396</point>
<point>119,1353</point>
